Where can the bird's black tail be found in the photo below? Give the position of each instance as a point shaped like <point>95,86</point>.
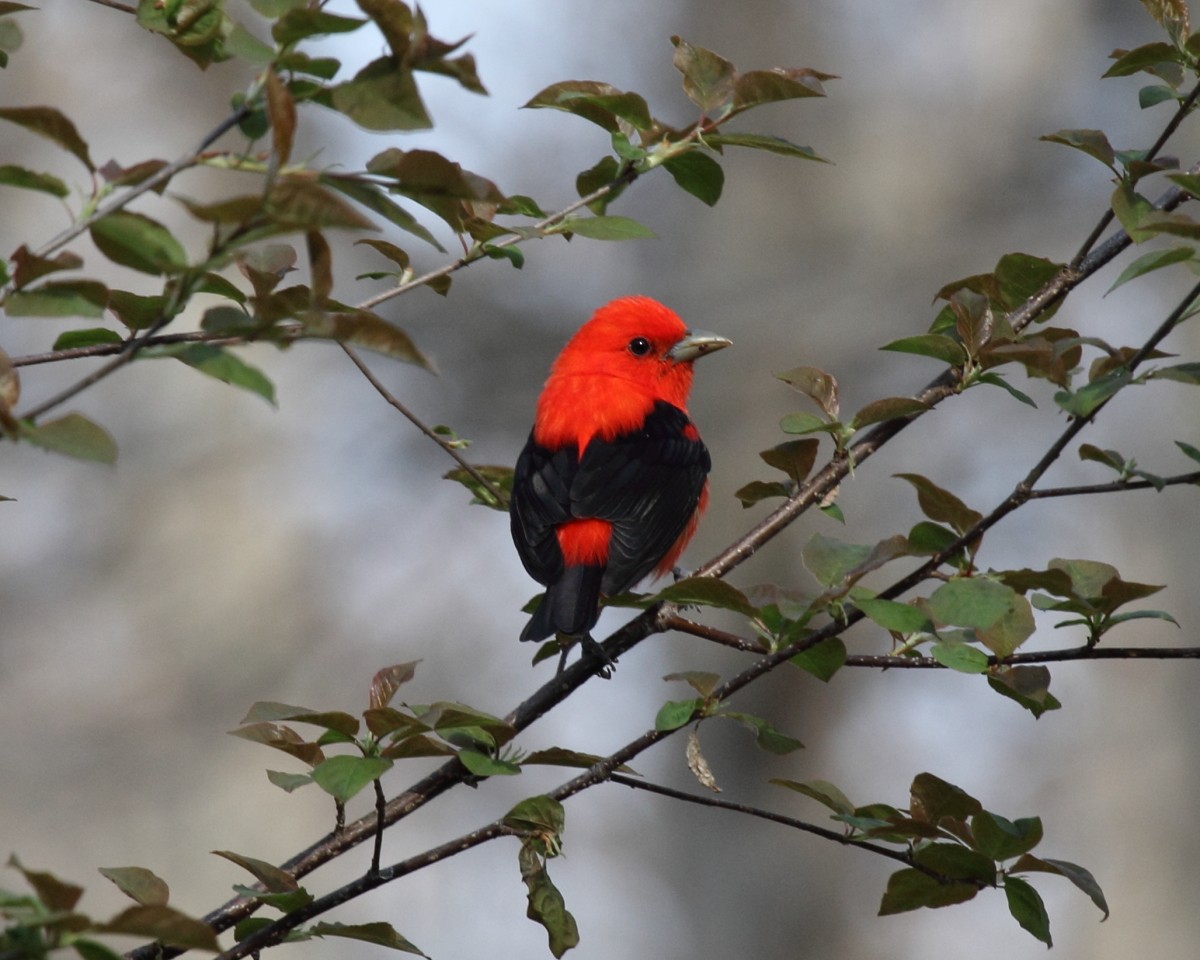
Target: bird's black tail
<point>570,606</point>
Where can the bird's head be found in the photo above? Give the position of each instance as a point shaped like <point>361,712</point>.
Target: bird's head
<point>640,341</point>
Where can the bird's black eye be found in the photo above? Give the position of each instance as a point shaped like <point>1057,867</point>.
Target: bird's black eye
<point>640,346</point>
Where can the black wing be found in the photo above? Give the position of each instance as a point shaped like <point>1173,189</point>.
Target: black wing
<point>647,483</point>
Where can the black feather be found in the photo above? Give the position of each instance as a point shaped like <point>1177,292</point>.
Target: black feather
<point>646,483</point>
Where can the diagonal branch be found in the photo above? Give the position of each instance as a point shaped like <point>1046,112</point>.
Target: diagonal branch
<point>383,391</point>
<point>707,801</point>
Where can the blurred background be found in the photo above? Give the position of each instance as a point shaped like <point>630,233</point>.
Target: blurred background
<point>240,553</point>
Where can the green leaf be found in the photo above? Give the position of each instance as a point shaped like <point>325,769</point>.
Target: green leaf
<point>708,78</point>
<point>1080,876</point>
<point>706,592</point>
<point>960,656</point>
<point>369,331</point>
<point>766,736</point>
<point>289,782</point>
<point>1003,839</point>
<point>295,204</point>
<point>375,199</point>
<point>164,924</point>
<point>956,862</point>
<point>897,617</point>
<point>758,490</point>
<point>52,124</point>
<point>330,720</point>
<point>910,889</point>
<point>1025,904</point>
<point>136,241</point>
<point>793,457</point>
<point>1087,399</point>
<point>698,174</point>
<point>935,345</point>
<point>283,902</point>
<point>344,776</point>
<point>1146,57</point>
<point>1189,450</point>
<point>500,478</point>
<point>1133,210</point>
<point>995,380</point>
<point>379,933</point>
<point>546,905</point>
<point>282,738</point>
<point>270,876</point>
<point>31,180</point>
<point>1149,262</point>
<point>599,103</point>
<point>384,97</point>
<point>139,884</point>
<point>64,298</point>
<point>757,87</point>
<point>933,800</point>
<point>73,435</point>
<point>539,814</point>
<point>303,22</point>
<point>1155,94</point>
<point>822,660</point>
<point>675,713</point>
<point>800,423</point>
<point>74,339</point>
<point>831,560</point>
<point>219,363</point>
<point>93,949</point>
<point>482,765</point>
<point>702,682</point>
<point>822,791</point>
<point>1092,142</point>
<point>1019,276</point>
<point>1028,686</point>
<point>604,228</point>
<point>941,505</point>
<point>758,141</point>
<point>889,408</point>
<point>977,602</point>
<point>1180,373</point>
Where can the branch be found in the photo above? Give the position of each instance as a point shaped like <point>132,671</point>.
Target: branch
<point>1183,110</point>
<point>420,425</point>
<point>1117,486</point>
<point>1023,490</point>
<point>1033,657</point>
<point>845,840</point>
<point>161,177</point>
<point>626,177</point>
<point>108,349</point>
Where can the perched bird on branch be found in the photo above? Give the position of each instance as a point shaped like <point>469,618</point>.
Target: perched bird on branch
<point>612,482</point>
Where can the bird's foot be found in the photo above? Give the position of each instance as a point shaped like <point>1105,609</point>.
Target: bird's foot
<point>592,649</point>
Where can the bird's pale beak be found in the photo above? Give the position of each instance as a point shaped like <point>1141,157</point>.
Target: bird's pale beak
<point>696,344</point>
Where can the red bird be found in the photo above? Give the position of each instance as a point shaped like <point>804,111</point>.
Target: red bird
<point>613,479</point>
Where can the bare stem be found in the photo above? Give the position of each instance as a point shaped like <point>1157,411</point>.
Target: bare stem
<point>422,426</point>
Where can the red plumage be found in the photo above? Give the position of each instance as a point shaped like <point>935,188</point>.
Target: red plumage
<point>613,479</point>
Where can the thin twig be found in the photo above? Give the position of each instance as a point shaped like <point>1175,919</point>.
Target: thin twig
<point>420,425</point>
<point>719,804</point>
<point>1117,486</point>
<point>1022,491</point>
<point>623,179</point>
<point>160,177</point>
<point>1168,131</point>
<point>1026,657</point>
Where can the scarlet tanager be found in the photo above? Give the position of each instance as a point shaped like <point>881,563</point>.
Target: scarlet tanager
<point>612,482</point>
